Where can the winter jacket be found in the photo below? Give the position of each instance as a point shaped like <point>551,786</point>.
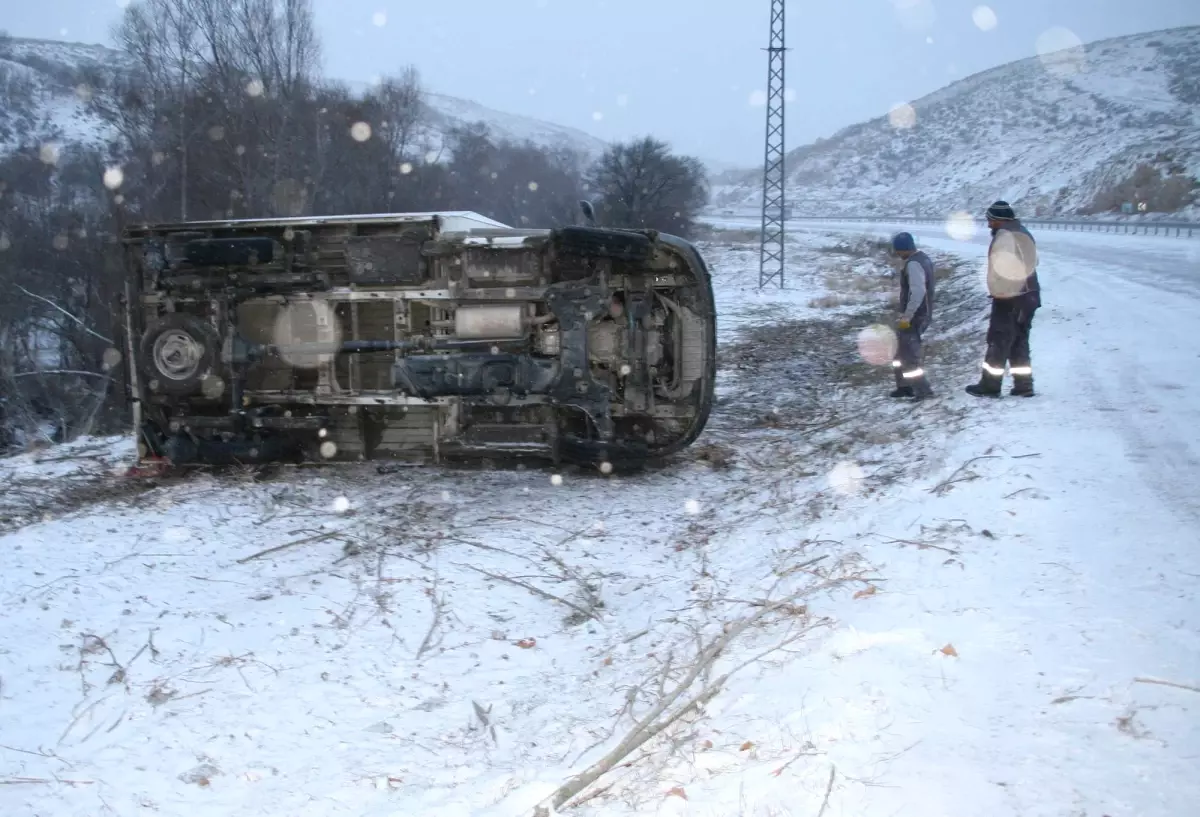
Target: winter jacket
<point>916,289</point>
<point>1012,264</point>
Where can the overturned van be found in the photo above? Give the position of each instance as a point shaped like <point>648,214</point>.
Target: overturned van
<point>417,337</point>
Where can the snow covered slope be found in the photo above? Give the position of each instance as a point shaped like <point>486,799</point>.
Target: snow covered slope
<point>45,79</point>
<point>1048,132</point>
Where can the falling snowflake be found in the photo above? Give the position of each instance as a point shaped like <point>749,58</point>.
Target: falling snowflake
<point>758,98</point>
<point>606,468</point>
<point>692,506</point>
<point>406,168</point>
<point>341,504</point>
<point>1061,52</point>
<point>533,186</point>
<point>960,226</point>
<point>255,87</point>
<point>114,177</point>
<point>216,133</point>
<point>902,116</point>
<point>50,152</point>
<point>212,387</point>
<point>625,370</point>
<point>597,116</point>
<point>360,131</point>
<point>984,18</point>
<point>379,19</point>
<point>877,344</point>
<point>556,480</point>
<point>846,477</point>
<point>789,94</point>
<point>5,242</point>
<point>60,241</point>
<point>328,450</point>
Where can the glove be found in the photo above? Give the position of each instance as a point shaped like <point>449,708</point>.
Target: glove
<point>904,323</point>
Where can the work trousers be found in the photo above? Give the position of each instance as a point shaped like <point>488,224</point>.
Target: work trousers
<point>907,364</point>
<point>1008,339</point>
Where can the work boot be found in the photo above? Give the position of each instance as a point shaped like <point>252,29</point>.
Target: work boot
<point>921,389</point>
<point>1022,387</point>
<point>900,392</point>
<point>988,386</point>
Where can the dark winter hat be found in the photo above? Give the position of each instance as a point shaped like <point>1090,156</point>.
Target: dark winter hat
<point>904,242</point>
<point>1001,211</point>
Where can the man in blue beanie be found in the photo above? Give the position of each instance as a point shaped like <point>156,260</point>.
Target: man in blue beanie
<point>916,313</point>
<point>1013,286</point>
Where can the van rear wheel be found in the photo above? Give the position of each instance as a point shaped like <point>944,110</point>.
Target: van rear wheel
<point>177,352</point>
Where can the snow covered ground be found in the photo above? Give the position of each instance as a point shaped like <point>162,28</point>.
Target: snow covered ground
<point>962,606</point>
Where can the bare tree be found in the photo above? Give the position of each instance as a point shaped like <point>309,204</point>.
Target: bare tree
<point>400,101</point>
<point>642,184</point>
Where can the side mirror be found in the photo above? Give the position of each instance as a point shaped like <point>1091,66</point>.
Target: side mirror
<point>589,212</point>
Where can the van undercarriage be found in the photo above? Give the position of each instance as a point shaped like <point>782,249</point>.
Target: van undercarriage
<point>416,337</point>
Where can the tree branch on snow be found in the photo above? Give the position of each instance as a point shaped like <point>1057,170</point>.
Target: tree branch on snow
<point>537,591</point>
<point>675,702</point>
<point>438,604</point>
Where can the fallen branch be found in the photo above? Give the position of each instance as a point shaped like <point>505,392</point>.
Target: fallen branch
<point>658,719</point>
<point>942,487</point>
<point>13,781</point>
<point>1166,684</point>
<point>537,591</point>
<point>918,545</point>
<point>828,791</point>
<point>307,540</point>
<point>437,620</point>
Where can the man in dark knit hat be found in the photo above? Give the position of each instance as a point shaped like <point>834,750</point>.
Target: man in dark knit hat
<point>1012,283</point>
<point>916,311</point>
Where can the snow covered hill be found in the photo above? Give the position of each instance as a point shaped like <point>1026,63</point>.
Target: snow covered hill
<point>44,84</point>
<point>1050,133</point>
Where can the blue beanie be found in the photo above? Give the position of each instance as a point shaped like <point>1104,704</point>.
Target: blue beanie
<point>904,242</point>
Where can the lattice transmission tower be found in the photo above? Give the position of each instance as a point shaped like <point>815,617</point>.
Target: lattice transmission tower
<point>770,262</point>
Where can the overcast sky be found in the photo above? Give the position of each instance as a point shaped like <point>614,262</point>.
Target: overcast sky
<point>689,71</point>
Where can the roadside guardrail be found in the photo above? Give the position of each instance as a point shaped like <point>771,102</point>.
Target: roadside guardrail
<point>1174,229</point>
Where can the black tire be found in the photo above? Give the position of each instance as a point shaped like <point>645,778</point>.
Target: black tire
<point>177,352</point>
<point>595,242</point>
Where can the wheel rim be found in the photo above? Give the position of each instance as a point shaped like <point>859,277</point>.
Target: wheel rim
<point>177,355</point>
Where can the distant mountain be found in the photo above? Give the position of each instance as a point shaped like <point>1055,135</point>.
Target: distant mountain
<point>40,81</point>
<point>1052,134</point>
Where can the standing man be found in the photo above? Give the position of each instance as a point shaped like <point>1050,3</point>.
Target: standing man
<point>916,312</point>
<point>1013,286</point>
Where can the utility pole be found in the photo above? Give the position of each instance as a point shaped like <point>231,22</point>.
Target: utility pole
<point>770,264</point>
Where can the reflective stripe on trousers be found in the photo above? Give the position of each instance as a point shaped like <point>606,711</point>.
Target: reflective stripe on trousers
<point>1015,371</point>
